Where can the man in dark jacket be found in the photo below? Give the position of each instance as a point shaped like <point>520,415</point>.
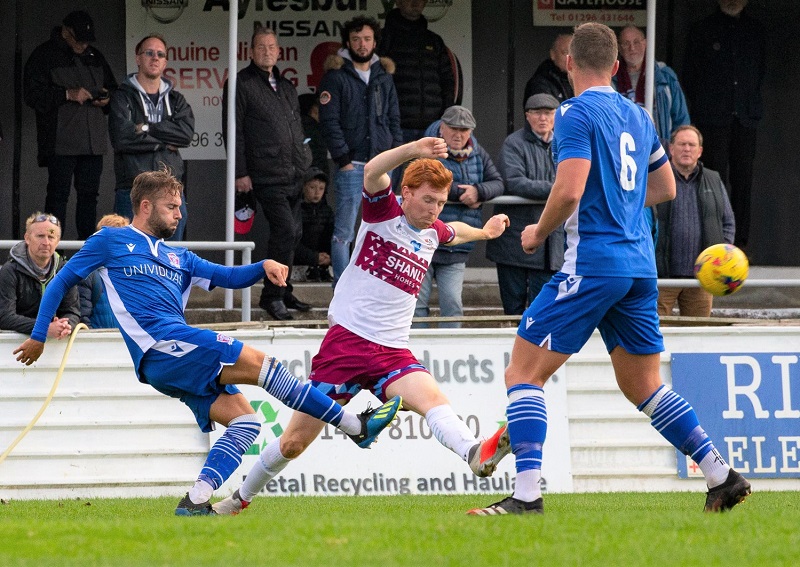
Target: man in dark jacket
<point>424,76</point>
<point>149,122</point>
<point>526,164</point>
<point>68,82</point>
<point>23,279</point>
<point>271,158</point>
<point>724,71</point>
<point>699,216</point>
<point>551,76</point>
<point>360,118</point>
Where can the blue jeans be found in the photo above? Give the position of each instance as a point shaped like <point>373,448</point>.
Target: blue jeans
<point>449,282</point>
<point>347,188</point>
<point>520,286</point>
<point>123,207</point>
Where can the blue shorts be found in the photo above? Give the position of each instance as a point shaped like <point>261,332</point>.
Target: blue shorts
<point>188,368</point>
<point>569,308</point>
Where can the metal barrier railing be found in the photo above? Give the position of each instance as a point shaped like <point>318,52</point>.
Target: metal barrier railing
<point>244,247</point>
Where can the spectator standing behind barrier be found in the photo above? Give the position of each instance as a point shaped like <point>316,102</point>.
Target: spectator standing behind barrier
<point>526,164</point>
<point>723,76</point>
<point>314,248</point>
<point>475,179</point>
<point>424,76</point>
<point>68,82</point>
<point>309,118</point>
<point>551,76</point>
<point>96,312</point>
<point>699,216</point>
<point>31,267</point>
<point>149,122</point>
<point>271,159</point>
<point>360,118</point>
<point>669,103</point>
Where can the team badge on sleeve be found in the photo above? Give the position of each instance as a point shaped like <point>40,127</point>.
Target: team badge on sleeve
<point>224,339</point>
<point>324,97</point>
<point>174,260</point>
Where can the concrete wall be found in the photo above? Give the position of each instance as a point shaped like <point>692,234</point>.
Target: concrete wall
<point>107,435</point>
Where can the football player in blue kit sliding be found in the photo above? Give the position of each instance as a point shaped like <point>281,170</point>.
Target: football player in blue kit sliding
<point>610,166</point>
<point>148,283</point>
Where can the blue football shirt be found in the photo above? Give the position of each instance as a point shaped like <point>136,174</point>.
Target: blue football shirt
<point>607,235</point>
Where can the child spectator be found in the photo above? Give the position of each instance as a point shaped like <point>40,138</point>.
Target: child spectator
<point>314,248</point>
<point>95,309</point>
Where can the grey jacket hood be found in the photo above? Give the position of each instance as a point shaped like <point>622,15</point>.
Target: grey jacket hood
<point>19,253</point>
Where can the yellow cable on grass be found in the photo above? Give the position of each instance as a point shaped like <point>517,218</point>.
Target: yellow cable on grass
<point>47,401</point>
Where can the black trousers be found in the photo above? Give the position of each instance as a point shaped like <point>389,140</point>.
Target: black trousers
<point>86,171</point>
<point>730,150</point>
<point>281,206</point>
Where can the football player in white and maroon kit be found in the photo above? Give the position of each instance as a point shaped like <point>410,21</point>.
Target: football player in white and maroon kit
<point>366,347</point>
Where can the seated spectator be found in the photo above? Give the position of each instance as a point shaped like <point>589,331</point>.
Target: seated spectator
<point>475,179</point>
<point>32,265</point>
<point>699,216</point>
<point>526,163</point>
<point>96,311</point>
<point>314,248</point>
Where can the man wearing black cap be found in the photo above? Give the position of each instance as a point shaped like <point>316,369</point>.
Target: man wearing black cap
<point>526,164</point>
<point>68,82</point>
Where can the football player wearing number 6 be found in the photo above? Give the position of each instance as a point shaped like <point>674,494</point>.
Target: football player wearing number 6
<point>610,166</point>
<point>149,121</point>
<point>366,347</point>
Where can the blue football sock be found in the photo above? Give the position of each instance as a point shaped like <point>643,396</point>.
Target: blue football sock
<point>279,382</point>
<point>675,420</point>
<point>226,454</point>
<point>527,425</point>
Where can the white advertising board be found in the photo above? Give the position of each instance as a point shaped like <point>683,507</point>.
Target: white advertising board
<point>406,459</point>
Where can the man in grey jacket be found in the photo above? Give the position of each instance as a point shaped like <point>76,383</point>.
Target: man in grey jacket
<point>23,279</point>
<point>526,164</point>
<point>699,216</point>
<point>149,122</point>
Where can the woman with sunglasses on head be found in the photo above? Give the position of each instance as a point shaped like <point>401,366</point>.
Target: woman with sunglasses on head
<point>31,267</point>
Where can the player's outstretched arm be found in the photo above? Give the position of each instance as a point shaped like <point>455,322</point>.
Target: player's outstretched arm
<point>29,351</point>
<point>276,272</point>
<point>376,171</point>
<point>660,185</point>
<point>493,228</point>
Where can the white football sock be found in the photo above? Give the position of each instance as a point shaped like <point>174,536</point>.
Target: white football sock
<point>200,492</point>
<point>714,468</point>
<point>270,462</point>
<point>350,423</point>
<point>526,485</point>
<point>450,431</point>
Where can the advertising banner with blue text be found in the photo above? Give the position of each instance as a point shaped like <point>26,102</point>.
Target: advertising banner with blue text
<point>749,404</point>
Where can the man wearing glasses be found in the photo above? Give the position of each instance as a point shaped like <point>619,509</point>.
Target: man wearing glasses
<point>31,267</point>
<point>149,122</point>
<point>67,83</point>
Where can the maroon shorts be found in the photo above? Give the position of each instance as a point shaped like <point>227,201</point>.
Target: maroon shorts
<point>347,364</point>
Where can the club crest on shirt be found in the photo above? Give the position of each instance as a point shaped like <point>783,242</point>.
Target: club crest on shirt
<point>224,339</point>
<point>174,260</point>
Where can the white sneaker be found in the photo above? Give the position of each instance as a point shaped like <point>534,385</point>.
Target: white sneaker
<point>231,505</point>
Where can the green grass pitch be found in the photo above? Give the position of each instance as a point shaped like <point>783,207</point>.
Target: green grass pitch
<point>577,529</point>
